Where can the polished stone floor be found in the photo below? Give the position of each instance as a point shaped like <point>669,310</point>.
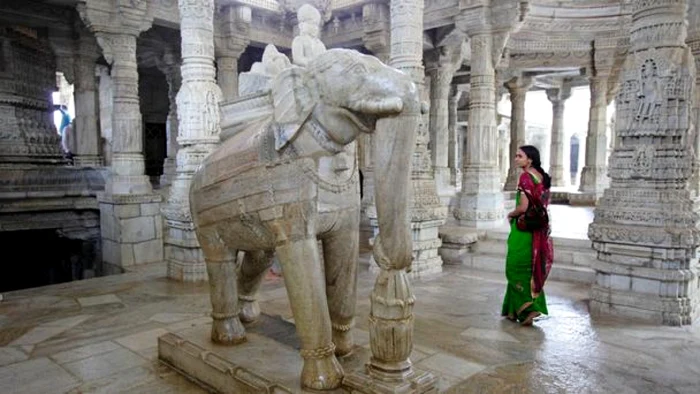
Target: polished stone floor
<point>99,335</point>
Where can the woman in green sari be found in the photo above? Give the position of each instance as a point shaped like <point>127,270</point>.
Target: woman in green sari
<point>530,253</point>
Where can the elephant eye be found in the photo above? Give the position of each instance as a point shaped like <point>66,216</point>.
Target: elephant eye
<point>357,69</point>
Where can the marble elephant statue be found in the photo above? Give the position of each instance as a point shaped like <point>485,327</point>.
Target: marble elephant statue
<point>289,180</point>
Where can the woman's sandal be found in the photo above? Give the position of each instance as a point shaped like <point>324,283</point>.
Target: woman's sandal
<point>530,319</point>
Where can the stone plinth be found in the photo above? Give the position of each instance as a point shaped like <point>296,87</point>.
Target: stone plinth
<point>263,364</point>
<point>132,229</point>
<point>457,243</point>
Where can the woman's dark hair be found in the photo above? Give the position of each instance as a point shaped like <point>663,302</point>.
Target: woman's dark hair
<point>533,154</point>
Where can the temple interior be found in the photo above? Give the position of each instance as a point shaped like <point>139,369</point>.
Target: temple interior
<point>109,108</point>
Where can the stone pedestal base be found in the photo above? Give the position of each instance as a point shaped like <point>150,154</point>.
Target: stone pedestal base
<point>132,229</point>
<point>480,204</point>
<point>87,161</point>
<point>182,253</point>
<point>457,243</point>
<point>268,362</point>
<point>630,288</point>
<point>419,382</point>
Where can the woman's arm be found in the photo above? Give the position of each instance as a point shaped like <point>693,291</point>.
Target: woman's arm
<point>521,208</point>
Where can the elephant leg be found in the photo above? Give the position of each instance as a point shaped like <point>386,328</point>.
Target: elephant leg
<point>221,267</point>
<point>303,277</point>
<point>255,264</point>
<point>340,254</point>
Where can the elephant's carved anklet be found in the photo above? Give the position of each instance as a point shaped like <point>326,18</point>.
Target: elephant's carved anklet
<point>321,352</point>
<point>223,316</point>
<point>246,298</point>
<point>343,327</point>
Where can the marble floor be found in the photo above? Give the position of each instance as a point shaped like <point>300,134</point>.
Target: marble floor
<point>99,336</point>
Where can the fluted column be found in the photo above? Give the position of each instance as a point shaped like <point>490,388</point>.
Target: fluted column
<point>445,61</point>
<point>199,127</point>
<point>170,66</point>
<point>87,136</point>
<point>518,88</point>
<point>454,140</point>
<point>231,38</point>
<point>558,97</point>
<point>594,178</point>
<point>645,230</point>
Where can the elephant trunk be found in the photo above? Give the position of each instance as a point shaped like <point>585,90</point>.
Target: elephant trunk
<point>394,144</point>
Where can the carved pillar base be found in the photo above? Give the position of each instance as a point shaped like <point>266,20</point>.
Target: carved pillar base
<point>481,200</point>
<point>132,229</point>
<point>88,161</point>
<point>390,370</point>
<point>182,252</point>
<point>626,287</point>
<point>419,382</point>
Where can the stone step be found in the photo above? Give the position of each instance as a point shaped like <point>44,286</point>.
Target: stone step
<point>560,271</point>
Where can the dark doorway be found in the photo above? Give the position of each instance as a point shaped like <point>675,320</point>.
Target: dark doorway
<point>155,150</point>
<point>33,258</point>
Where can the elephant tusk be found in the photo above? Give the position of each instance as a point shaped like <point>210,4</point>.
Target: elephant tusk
<point>386,106</point>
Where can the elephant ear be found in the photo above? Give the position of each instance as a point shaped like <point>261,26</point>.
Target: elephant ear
<point>293,99</point>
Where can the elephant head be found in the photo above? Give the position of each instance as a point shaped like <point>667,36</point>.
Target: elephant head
<point>349,93</point>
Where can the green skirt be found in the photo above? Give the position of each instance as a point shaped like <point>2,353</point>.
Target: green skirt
<point>518,301</point>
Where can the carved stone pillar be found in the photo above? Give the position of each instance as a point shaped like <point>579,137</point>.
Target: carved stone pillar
<point>445,61</point>
<point>130,221</point>
<point>594,178</point>
<point>518,88</point>
<point>87,135</point>
<point>558,97</point>
<point>391,318</point>
<point>170,66</point>
<point>454,140</point>
<point>645,229</point>
<point>481,200</point>
<point>232,35</point>
<point>480,203</point>
<point>199,117</point>
<point>693,42</point>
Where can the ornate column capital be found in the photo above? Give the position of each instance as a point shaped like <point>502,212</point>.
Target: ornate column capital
<point>496,18</point>
<point>559,94</point>
<point>232,30</point>
<point>109,19</point>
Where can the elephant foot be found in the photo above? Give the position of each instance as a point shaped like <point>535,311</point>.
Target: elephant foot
<point>227,331</point>
<point>250,310</point>
<point>343,341</point>
<point>321,371</point>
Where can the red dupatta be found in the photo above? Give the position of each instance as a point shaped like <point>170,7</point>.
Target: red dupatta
<point>542,248</point>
